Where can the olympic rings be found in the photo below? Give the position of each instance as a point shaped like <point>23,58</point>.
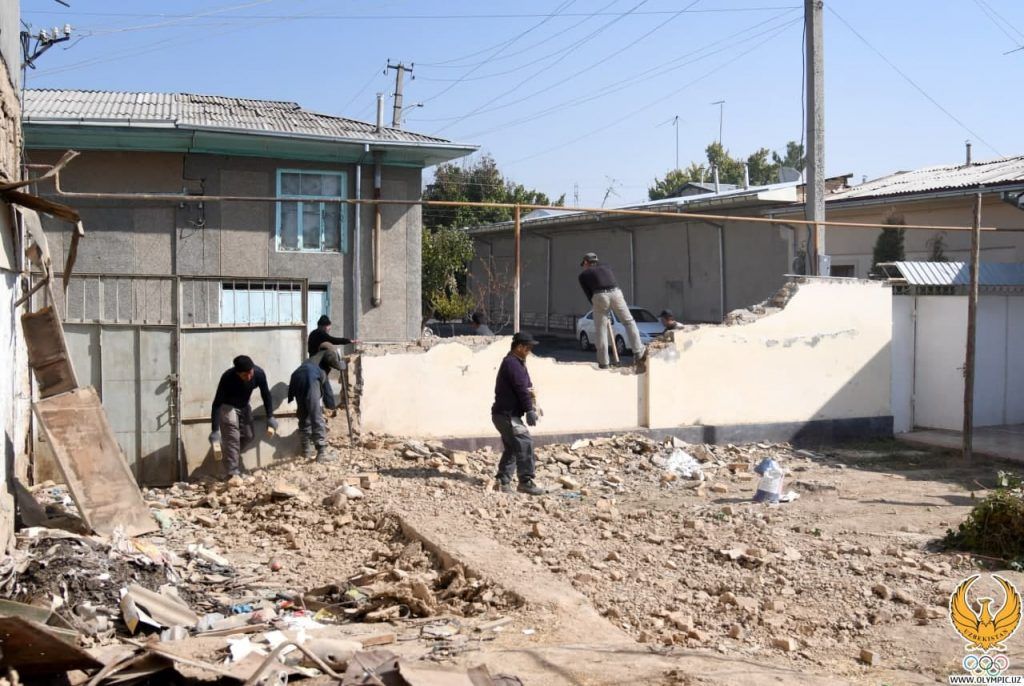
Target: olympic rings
<point>986,664</point>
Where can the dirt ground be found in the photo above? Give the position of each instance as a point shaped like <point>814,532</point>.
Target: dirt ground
<point>702,585</point>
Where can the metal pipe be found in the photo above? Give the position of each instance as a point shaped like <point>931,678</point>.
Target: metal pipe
<point>721,268</point>
<point>177,198</point>
<point>377,266</point>
<point>972,318</point>
<point>547,285</point>
<point>746,175</point>
<point>717,185</point>
<point>380,112</point>
<point>357,250</point>
<point>516,307</point>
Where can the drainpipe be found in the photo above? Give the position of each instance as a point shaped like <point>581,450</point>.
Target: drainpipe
<point>547,284</point>
<point>357,249</point>
<point>721,268</point>
<point>377,266</point>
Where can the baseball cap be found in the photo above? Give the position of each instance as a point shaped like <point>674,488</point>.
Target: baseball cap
<point>524,338</point>
<point>589,257</point>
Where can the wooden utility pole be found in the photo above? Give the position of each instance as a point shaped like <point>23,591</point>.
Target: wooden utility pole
<point>400,72</point>
<point>972,321</point>
<point>814,188</point>
<point>518,272</point>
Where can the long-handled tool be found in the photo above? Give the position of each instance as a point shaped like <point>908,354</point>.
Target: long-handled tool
<point>611,338</point>
<point>343,373</point>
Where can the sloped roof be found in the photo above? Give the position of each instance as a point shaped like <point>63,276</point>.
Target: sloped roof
<point>191,110</point>
<point>956,273</point>
<point>1002,171</point>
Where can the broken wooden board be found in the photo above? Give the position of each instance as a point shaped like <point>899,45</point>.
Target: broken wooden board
<point>48,352</point>
<point>92,464</point>
<point>32,648</point>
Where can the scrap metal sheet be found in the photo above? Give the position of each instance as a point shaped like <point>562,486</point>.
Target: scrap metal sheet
<point>91,462</point>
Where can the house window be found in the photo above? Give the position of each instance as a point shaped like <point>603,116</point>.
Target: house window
<point>312,225</point>
<point>844,270</point>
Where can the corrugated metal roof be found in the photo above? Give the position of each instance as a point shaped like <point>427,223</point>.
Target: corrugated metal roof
<point>958,273</point>
<point>943,177</point>
<point>189,110</point>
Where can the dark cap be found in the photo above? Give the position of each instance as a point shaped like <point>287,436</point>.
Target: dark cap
<point>243,363</point>
<point>323,321</point>
<point>666,314</point>
<point>523,338</point>
<point>478,318</point>
<point>590,257</point>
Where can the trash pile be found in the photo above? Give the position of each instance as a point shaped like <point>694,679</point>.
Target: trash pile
<point>114,609</point>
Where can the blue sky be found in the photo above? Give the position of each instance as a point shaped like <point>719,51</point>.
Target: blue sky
<point>582,92</point>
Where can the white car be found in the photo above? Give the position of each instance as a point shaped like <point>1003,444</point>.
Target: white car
<point>646,323</point>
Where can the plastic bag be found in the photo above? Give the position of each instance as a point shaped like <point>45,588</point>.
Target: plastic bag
<point>684,464</point>
<point>770,487</point>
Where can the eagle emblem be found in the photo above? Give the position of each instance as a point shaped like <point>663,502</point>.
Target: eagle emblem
<point>981,629</point>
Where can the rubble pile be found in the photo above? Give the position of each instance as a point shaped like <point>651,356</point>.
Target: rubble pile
<point>661,536</point>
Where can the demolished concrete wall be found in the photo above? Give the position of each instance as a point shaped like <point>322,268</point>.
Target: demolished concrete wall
<point>823,360</point>
<point>448,390</point>
<point>824,356</point>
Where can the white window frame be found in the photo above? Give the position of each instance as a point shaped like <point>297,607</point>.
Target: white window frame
<point>343,229</point>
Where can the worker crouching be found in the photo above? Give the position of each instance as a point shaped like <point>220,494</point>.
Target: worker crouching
<point>310,388</point>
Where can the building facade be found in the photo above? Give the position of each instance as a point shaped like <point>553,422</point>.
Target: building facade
<point>178,272</point>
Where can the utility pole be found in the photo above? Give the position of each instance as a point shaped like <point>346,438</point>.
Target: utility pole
<point>814,189</point>
<point>972,319</point>
<point>721,118</point>
<point>400,72</point>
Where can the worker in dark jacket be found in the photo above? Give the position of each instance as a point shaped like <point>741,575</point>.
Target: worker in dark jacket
<point>669,321</point>
<point>231,415</point>
<point>322,334</point>
<point>514,398</point>
<point>603,292</point>
<point>310,388</point>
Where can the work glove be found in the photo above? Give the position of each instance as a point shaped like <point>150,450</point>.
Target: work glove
<point>215,437</point>
<point>272,423</point>
<point>531,418</point>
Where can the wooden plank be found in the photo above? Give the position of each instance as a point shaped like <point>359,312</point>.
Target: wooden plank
<point>48,352</point>
<point>91,462</point>
<point>33,649</point>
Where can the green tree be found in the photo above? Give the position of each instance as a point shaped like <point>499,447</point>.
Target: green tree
<point>478,181</point>
<point>938,248</point>
<point>794,157</point>
<point>446,255</point>
<point>889,244</point>
<point>730,169</point>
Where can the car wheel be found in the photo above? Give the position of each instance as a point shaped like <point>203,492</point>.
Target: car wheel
<point>620,345</point>
<point>584,341</point>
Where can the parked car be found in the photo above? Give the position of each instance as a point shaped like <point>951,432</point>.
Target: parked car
<point>646,323</point>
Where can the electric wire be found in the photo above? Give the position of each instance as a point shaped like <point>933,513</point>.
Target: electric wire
<point>482,109</point>
<point>913,83</point>
<point>659,100</point>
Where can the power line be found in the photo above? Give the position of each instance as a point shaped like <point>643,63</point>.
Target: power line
<point>658,101</point>
<point>447,64</point>
<point>536,26</point>
<point>657,71</point>
<point>374,76</point>
<point>181,18</point>
<point>417,17</point>
<point>1000,22</point>
<point>913,83</point>
<point>482,109</point>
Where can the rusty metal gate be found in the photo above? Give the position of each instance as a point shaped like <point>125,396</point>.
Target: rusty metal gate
<point>151,344</point>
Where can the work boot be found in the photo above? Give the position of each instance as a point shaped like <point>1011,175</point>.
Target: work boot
<point>530,487</point>
<point>307,448</point>
<point>324,455</point>
<point>503,486</point>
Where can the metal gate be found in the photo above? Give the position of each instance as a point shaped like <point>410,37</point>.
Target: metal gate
<point>153,344</point>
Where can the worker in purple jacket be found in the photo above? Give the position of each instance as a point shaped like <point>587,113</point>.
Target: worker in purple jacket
<point>513,398</point>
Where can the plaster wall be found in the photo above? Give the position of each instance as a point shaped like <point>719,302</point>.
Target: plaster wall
<point>825,356</point>
<point>448,390</point>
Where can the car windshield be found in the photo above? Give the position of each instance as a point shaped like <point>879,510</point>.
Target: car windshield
<point>642,316</point>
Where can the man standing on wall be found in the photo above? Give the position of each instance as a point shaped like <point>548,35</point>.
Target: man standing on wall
<point>231,415</point>
<point>513,398</point>
<point>310,388</point>
<point>604,294</point>
<point>322,334</point>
